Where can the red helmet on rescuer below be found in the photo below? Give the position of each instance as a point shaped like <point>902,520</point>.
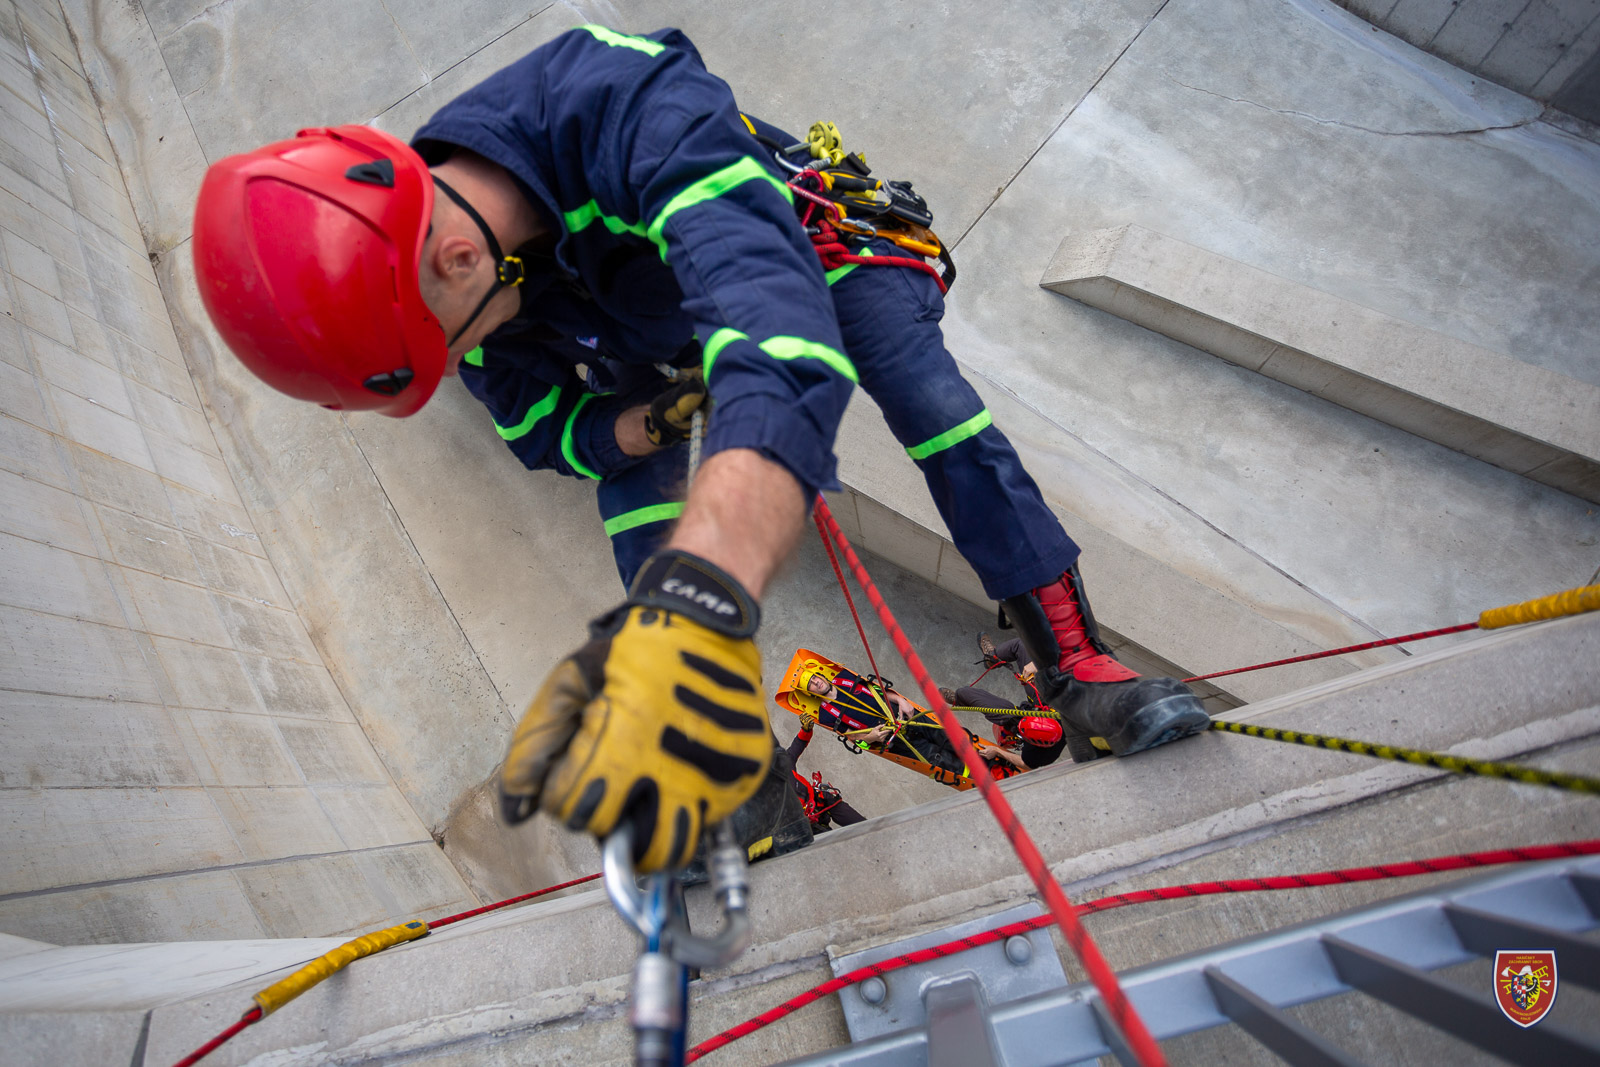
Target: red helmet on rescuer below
<point>1040,730</point>
<point>306,253</point>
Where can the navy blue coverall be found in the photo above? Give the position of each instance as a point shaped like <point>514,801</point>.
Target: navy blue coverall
<point>679,243</point>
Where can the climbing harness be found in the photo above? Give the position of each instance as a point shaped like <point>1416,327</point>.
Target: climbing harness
<point>1576,783</point>
<point>898,747</point>
<point>839,202</point>
<point>1344,876</point>
<point>816,792</point>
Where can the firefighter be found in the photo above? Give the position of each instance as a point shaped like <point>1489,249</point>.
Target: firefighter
<point>602,203</point>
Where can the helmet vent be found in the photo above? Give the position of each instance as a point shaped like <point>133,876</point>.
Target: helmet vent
<point>377,172</point>
<point>391,382</point>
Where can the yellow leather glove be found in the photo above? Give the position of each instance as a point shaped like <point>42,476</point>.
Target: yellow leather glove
<point>807,722</point>
<point>672,413</point>
<point>659,719</point>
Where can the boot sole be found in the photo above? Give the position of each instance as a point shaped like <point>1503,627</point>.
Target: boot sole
<point>1169,719</point>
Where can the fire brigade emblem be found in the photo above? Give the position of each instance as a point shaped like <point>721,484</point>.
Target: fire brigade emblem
<point>1525,984</point>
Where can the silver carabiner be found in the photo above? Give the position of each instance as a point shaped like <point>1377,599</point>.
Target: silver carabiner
<point>654,911</point>
<point>658,1011</point>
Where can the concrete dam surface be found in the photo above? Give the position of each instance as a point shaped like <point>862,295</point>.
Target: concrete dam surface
<point>1288,306</point>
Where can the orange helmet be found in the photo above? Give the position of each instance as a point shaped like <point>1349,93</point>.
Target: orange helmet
<point>306,252</point>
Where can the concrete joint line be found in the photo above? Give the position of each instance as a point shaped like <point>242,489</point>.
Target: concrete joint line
<point>207,870</point>
<point>1351,125</point>
<point>1156,490</point>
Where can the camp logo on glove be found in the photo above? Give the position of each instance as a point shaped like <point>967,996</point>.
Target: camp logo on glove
<point>687,592</point>
<point>690,586</point>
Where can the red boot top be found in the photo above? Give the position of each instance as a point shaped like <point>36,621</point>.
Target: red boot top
<point>1082,655</point>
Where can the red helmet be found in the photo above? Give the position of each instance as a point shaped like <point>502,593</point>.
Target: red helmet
<point>306,253</point>
<point>1040,730</point>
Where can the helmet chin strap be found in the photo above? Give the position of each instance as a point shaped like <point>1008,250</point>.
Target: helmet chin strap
<point>508,270</point>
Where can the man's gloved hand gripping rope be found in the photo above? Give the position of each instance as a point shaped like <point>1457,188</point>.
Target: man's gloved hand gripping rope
<point>671,415</point>
<point>659,719</point>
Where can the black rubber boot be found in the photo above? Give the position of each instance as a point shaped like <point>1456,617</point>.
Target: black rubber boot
<point>770,823</point>
<point>1096,695</point>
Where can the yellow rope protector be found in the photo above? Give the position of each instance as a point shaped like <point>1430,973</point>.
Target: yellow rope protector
<point>1572,602</point>
<point>278,994</point>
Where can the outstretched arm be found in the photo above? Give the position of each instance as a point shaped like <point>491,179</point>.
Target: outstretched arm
<point>744,514</point>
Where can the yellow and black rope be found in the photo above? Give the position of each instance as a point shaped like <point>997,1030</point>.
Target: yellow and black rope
<point>1459,764</point>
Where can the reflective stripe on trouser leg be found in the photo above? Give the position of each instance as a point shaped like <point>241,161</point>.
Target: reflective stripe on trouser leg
<point>889,319</point>
<point>640,505</point>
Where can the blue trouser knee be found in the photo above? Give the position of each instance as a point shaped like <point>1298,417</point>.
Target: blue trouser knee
<point>639,506</point>
<point>889,320</point>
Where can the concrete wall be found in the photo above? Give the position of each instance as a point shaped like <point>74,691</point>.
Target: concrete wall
<point>176,762</point>
<point>1549,50</point>
<point>547,983</point>
<point>1227,519</point>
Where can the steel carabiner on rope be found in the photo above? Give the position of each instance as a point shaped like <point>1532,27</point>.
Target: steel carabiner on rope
<point>658,1010</point>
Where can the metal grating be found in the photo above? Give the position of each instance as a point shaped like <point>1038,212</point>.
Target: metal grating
<point>1385,950</point>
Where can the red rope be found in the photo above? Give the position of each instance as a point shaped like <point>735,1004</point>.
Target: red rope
<point>448,919</point>
<point>1119,900</point>
<point>1143,1045</point>
<point>848,599</point>
<point>1341,651</point>
<point>254,1015</point>
<point>982,676</point>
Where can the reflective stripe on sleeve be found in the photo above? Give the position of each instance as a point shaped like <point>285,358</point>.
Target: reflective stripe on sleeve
<point>531,419</point>
<point>709,188</point>
<point>780,347</point>
<point>580,218</point>
<point>951,437</point>
<point>719,340</point>
<point>566,440</point>
<point>628,520</point>
<point>799,348</point>
<point>623,40</point>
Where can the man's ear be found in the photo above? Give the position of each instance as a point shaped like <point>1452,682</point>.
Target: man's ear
<point>455,258</point>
